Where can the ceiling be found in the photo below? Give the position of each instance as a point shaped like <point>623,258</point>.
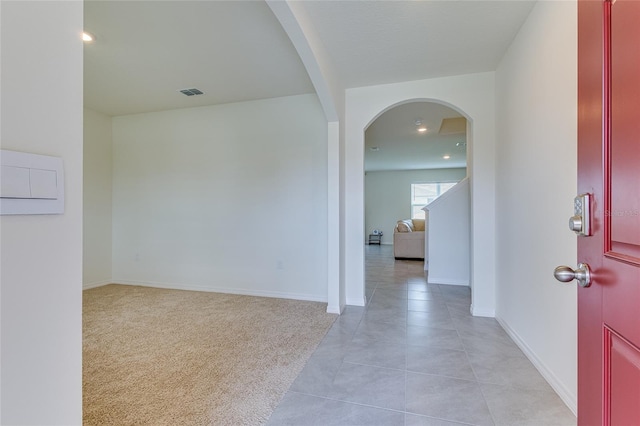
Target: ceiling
<point>393,142</point>
<point>233,51</point>
<point>146,51</point>
<point>377,42</point>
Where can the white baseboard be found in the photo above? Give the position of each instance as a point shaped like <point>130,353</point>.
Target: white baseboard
<point>87,286</point>
<point>447,281</point>
<point>357,302</point>
<point>334,309</point>
<point>568,397</point>
<point>479,312</point>
<point>227,290</point>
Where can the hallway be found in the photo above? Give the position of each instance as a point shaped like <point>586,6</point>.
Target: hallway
<point>415,356</point>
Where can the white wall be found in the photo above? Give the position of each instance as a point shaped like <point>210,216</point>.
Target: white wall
<point>41,256</point>
<point>388,196</point>
<point>448,257</point>
<point>295,21</point>
<point>97,199</point>
<point>536,182</point>
<point>473,96</point>
<point>228,198</point>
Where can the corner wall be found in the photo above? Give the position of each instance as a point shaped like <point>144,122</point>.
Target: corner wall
<point>97,229</point>
<point>330,91</point>
<point>229,198</point>
<point>536,110</point>
<point>41,255</point>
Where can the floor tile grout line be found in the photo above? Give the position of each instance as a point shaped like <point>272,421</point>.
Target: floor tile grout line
<point>447,299</point>
<point>374,366</point>
<point>328,398</point>
<point>491,412</point>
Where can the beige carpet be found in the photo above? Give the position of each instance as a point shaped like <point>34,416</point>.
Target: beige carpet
<point>170,357</point>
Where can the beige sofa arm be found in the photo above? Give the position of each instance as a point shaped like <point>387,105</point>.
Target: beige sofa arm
<point>409,245</point>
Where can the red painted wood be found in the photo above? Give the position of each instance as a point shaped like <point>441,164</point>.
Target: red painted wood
<point>590,130</point>
<point>609,168</point>
<point>623,372</point>
<point>625,128</point>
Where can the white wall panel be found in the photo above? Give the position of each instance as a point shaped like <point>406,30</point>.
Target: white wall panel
<point>229,198</point>
<point>448,237</point>
<point>41,255</point>
<point>536,169</point>
<point>97,233</point>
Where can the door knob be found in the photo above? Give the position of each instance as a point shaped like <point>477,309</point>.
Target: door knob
<point>566,274</point>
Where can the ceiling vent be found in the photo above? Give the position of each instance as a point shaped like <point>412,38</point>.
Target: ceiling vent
<point>191,92</point>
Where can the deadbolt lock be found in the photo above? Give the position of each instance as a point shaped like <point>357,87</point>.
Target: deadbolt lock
<point>580,222</point>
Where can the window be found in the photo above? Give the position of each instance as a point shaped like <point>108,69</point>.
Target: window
<point>424,193</point>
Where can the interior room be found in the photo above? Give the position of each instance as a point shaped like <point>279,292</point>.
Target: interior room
<point>222,147</point>
<point>414,153</point>
<point>413,143</point>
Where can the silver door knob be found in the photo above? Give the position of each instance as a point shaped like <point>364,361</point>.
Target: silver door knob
<point>582,274</point>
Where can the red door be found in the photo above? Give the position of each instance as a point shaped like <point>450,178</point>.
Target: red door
<point>609,169</point>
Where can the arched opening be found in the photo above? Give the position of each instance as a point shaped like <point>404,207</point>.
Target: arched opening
<point>414,151</point>
<point>473,97</point>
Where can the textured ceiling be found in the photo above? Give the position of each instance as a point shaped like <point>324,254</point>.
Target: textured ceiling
<point>146,51</point>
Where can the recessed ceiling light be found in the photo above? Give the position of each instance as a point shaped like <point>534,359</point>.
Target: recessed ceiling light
<point>422,129</point>
<point>446,157</point>
<point>87,37</point>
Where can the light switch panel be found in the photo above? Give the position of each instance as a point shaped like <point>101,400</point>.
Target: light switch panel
<point>14,182</point>
<point>43,184</point>
<point>31,183</point>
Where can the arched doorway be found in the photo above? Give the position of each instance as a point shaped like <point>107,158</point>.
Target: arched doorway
<point>414,152</point>
<point>473,97</point>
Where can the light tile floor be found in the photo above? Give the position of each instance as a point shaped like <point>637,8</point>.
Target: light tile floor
<point>415,356</point>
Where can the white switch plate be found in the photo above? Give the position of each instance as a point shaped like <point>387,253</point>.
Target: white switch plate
<point>14,182</point>
<point>31,183</point>
<point>44,183</point>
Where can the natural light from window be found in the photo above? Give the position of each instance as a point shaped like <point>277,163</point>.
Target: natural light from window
<point>424,193</point>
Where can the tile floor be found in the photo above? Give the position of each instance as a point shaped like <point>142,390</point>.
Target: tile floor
<point>415,356</point>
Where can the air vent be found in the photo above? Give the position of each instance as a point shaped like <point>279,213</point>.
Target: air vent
<point>191,92</point>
